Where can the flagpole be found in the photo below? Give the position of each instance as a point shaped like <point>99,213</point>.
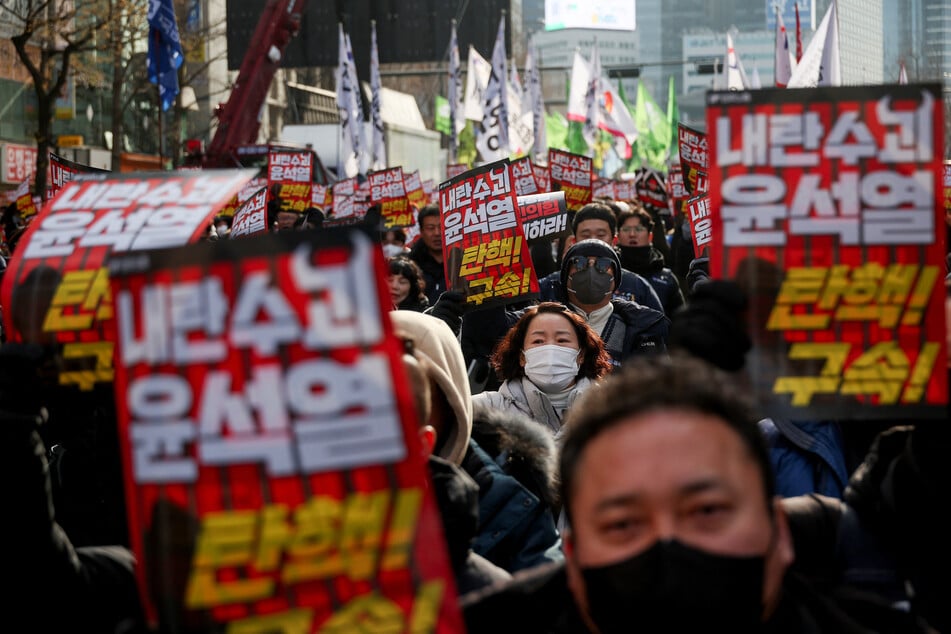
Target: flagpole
<point>161,129</point>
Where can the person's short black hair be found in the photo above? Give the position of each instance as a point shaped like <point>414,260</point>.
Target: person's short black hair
<point>425,212</point>
<point>645,384</point>
<point>594,211</point>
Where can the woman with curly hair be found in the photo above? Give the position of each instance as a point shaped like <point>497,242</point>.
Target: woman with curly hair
<point>407,286</point>
<point>545,361</point>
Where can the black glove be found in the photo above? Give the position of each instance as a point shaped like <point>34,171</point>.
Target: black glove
<point>711,325</point>
<point>450,307</point>
<point>698,272</point>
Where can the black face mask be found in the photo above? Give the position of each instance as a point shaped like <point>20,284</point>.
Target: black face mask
<point>671,587</point>
<point>590,286</point>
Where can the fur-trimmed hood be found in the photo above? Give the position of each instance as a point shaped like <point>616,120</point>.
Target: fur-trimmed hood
<point>526,447</point>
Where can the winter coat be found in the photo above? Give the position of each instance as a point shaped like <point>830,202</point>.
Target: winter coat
<point>457,496</point>
<point>807,456</point>
<point>433,272</point>
<point>634,330</point>
<point>513,460</point>
<point>521,395</point>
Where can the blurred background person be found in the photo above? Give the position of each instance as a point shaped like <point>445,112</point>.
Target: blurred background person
<point>407,286</point>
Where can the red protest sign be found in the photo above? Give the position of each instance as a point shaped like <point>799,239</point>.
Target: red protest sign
<point>454,169</point>
<point>677,193</point>
<point>274,478</point>
<point>524,177</point>
<point>651,188</point>
<point>388,190</point>
<point>541,177</point>
<point>826,208</point>
<point>603,188</point>
<point>251,217</point>
<point>570,173</point>
<point>947,191</point>
<point>697,210</point>
<point>293,172</point>
<point>694,155</point>
<point>415,192</point>
<point>62,170</point>
<point>344,192</point>
<point>543,216</point>
<point>56,288</point>
<point>485,253</point>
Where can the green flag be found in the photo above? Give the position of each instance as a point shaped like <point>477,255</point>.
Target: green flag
<point>673,118</point>
<point>653,131</point>
<point>556,130</point>
<point>441,122</point>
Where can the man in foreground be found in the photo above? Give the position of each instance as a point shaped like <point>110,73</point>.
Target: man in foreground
<point>673,521</point>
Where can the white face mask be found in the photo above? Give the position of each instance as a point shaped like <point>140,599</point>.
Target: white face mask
<point>552,368</point>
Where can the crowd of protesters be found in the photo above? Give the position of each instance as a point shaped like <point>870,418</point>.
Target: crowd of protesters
<point>597,465</point>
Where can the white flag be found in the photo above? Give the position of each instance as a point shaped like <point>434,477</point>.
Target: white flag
<point>755,82</point>
<point>521,135</point>
<point>456,119</point>
<point>533,96</point>
<point>592,93</point>
<point>782,59</point>
<point>902,74</point>
<point>477,77</point>
<point>492,137</point>
<point>378,160</point>
<point>580,72</point>
<point>735,74</point>
<point>820,65</point>
<point>348,108</point>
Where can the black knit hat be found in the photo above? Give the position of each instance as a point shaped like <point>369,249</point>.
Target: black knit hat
<point>590,247</point>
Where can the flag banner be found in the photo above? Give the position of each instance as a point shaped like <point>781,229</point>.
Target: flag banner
<point>676,192</point>
<point>290,175</point>
<point>165,55</point>
<point>543,216</point>
<point>534,101</point>
<point>343,192</point>
<point>782,57</point>
<point>734,72</point>
<point>441,116</point>
<point>694,155</point>
<point>653,130</point>
<point>477,78</point>
<point>820,65</point>
<point>825,208</point>
<point>697,212</point>
<point>454,169</point>
<point>349,108</point>
<point>523,174</point>
<point>592,94</point>
<point>62,170</point>
<point>603,188</point>
<point>388,190</point>
<point>798,33</point>
<point>492,132</point>
<point>415,193</point>
<point>56,288</point>
<point>457,119</point>
<point>902,74</point>
<point>274,478</point>
<point>378,144</point>
<point>485,252</point>
<point>251,218</point>
<point>541,177</point>
<point>626,190</point>
<point>570,173</point>
<point>651,188</point>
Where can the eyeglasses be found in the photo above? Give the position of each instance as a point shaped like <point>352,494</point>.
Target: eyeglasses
<point>634,229</point>
<point>601,265</point>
